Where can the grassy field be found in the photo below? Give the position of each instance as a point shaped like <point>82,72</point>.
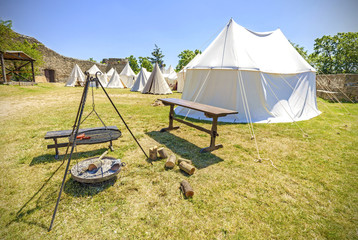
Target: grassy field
<point>311,194</point>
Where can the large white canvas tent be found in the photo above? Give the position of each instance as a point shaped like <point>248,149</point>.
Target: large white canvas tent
<point>76,78</point>
<point>259,74</point>
<point>115,81</point>
<point>141,80</point>
<point>181,74</point>
<point>127,76</point>
<point>156,83</point>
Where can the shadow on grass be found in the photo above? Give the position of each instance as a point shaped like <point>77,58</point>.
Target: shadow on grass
<point>77,189</point>
<point>49,158</point>
<point>185,149</point>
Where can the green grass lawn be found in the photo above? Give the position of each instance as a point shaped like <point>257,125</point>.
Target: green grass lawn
<point>311,194</point>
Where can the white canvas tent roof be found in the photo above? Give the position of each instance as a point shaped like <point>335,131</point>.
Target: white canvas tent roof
<point>260,75</point>
<point>76,77</point>
<point>127,75</point>
<point>156,83</point>
<point>141,80</point>
<point>93,70</point>
<point>115,81</point>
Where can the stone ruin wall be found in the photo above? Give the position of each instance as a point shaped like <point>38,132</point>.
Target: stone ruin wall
<point>341,86</point>
<point>63,65</point>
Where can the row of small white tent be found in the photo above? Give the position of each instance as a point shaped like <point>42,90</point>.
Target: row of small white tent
<point>109,79</point>
<point>146,82</point>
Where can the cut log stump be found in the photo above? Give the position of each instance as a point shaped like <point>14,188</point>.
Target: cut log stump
<point>162,153</point>
<point>186,189</point>
<point>185,160</point>
<point>188,168</point>
<point>171,161</point>
<point>153,153</point>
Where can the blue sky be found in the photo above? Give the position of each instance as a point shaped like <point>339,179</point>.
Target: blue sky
<point>103,29</point>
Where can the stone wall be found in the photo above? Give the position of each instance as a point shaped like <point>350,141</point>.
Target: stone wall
<point>62,66</point>
<point>341,86</point>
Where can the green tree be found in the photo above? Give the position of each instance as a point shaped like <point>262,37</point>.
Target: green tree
<point>336,54</point>
<point>9,40</point>
<point>185,57</point>
<point>145,63</point>
<point>157,57</point>
<point>92,59</point>
<point>133,63</point>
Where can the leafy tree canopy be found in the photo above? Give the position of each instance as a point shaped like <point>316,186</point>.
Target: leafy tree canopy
<point>157,57</point>
<point>185,57</point>
<point>92,60</point>
<point>133,63</point>
<point>336,54</point>
<point>145,63</point>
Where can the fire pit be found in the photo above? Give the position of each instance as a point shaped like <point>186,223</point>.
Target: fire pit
<point>95,170</point>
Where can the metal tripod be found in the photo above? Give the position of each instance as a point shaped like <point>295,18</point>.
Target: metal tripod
<point>75,129</point>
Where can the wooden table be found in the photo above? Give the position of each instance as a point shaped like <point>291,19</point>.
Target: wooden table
<point>97,135</point>
<point>209,111</point>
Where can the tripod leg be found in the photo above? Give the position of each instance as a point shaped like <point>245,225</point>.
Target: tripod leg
<point>76,128</point>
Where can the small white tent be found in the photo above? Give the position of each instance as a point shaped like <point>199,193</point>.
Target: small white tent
<point>93,70</point>
<point>110,72</point>
<point>76,78</point>
<point>127,76</point>
<point>156,83</point>
<point>170,76</point>
<point>142,79</point>
<point>259,74</point>
<point>115,81</point>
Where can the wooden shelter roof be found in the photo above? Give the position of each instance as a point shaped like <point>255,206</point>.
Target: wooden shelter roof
<point>17,55</point>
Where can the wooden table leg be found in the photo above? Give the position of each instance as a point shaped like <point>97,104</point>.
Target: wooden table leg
<point>171,116</point>
<point>56,148</point>
<point>213,134</point>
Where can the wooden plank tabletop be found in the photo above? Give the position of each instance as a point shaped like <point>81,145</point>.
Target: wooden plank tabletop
<point>67,133</point>
<point>211,110</point>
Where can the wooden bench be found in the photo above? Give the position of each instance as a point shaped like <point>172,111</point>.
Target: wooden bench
<point>209,111</point>
<point>94,136</point>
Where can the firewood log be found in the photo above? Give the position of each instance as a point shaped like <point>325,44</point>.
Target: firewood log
<point>186,189</point>
<point>98,163</point>
<point>171,161</point>
<point>153,154</point>
<point>162,153</point>
<point>185,160</point>
<point>188,168</point>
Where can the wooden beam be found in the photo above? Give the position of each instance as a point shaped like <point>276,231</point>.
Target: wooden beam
<point>3,67</point>
<point>33,72</point>
<point>192,125</point>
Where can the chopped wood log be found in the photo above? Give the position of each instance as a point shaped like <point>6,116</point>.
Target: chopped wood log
<point>162,153</point>
<point>95,165</point>
<point>185,160</point>
<point>153,153</point>
<point>98,163</point>
<point>186,189</point>
<point>188,168</point>
<point>171,161</point>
